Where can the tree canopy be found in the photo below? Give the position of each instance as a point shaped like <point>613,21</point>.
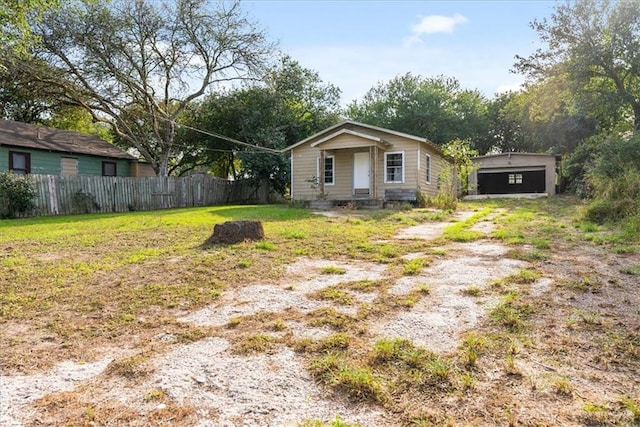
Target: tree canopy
<point>433,107</point>
<point>138,65</point>
<point>597,44</point>
<point>291,104</point>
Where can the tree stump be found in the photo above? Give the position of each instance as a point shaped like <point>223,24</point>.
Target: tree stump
<point>235,232</point>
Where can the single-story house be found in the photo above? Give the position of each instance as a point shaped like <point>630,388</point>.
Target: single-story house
<point>27,148</point>
<point>514,173</point>
<point>353,161</point>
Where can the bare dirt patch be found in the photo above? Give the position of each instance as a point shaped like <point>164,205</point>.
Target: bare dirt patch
<point>581,348</point>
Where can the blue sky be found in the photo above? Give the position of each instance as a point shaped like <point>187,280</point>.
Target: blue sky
<point>355,44</point>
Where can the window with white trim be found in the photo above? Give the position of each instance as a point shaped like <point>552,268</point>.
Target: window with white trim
<point>394,167</point>
<point>427,165</point>
<point>515,178</point>
<point>328,171</point>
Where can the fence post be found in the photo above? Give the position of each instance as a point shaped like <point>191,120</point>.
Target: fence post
<point>53,197</point>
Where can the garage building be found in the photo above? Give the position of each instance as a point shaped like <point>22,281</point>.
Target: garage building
<point>514,173</point>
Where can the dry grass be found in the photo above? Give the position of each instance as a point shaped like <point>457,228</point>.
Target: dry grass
<point>77,287</point>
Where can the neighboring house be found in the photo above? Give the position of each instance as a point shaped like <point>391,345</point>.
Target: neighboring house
<point>514,173</point>
<point>27,148</point>
<point>353,161</point>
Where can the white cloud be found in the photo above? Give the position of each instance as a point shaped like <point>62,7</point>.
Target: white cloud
<point>512,87</point>
<point>437,24</point>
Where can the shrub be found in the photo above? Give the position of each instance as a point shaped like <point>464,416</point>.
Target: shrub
<point>16,194</point>
<point>615,180</point>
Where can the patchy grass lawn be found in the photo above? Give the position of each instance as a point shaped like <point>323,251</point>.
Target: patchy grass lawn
<point>561,351</point>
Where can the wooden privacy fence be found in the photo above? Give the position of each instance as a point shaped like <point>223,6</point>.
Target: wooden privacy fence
<point>62,195</point>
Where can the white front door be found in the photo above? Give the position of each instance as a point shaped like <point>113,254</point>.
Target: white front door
<point>361,166</point>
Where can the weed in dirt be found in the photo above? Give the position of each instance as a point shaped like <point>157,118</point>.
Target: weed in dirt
<point>633,406</point>
<point>632,270</point>
<point>366,285</point>
<point>133,367</point>
<point>562,386</point>
<point>587,227</point>
<point>330,317</point>
<point>251,344</point>
<point>359,383</point>
<point>265,246</point>
<point>471,291</point>
<point>154,395</point>
<point>336,422</point>
<point>278,325</point>
<point>413,267</point>
<point>294,234</point>
<point>391,349</point>
<point>467,381</point>
<point>233,322</point>
<point>595,413</point>
<point>333,293</point>
<point>422,288</point>
<point>472,346</point>
<point>303,345</point>
<point>244,263</point>
<point>523,276</point>
<point>332,269</point>
<point>532,255</point>
<point>510,366</point>
<point>339,341</point>
<point>585,317</point>
<point>460,232</point>
<point>624,249</point>
<point>511,312</point>
<point>584,284</point>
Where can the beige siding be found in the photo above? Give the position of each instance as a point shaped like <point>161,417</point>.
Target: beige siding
<point>345,141</point>
<point>305,165</point>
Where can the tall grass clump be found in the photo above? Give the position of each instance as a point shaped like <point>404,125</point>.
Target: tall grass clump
<point>614,181</point>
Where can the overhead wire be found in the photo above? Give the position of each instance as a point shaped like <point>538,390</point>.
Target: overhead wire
<point>226,138</point>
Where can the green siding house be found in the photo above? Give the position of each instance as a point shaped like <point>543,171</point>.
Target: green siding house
<point>27,148</point>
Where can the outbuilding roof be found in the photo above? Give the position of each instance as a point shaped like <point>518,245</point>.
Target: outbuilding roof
<point>25,135</point>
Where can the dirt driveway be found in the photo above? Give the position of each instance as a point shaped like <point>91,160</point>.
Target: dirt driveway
<point>574,366</point>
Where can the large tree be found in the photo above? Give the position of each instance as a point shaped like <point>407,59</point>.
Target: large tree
<point>291,104</point>
<point>542,118</point>
<point>15,31</point>
<point>436,108</point>
<point>137,65</point>
<point>597,44</point>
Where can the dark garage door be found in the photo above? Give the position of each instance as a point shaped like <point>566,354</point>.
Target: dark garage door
<point>511,182</point>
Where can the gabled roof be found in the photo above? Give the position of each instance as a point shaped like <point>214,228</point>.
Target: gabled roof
<point>26,135</point>
<point>350,124</point>
<point>361,135</point>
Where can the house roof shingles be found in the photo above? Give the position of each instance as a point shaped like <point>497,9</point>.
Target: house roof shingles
<point>26,135</point>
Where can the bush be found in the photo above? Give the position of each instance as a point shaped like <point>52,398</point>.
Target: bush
<point>615,180</point>
<point>16,194</point>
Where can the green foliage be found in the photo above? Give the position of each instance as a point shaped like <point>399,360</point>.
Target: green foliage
<point>190,47</point>
<point>16,194</point>
<point>446,199</point>
<point>462,153</point>
<point>615,180</point>
<point>291,104</point>
<point>594,44</point>
<point>436,108</point>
